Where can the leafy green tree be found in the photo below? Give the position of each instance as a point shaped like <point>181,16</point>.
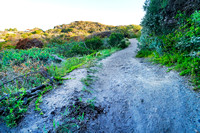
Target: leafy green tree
<point>161,20</point>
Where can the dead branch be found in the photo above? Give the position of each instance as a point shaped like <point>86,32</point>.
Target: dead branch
<point>58,58</point>
<point>18,77</point>
<point>42,71</point>
<point>29,93</point>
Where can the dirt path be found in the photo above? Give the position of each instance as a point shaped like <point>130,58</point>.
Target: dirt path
<point>136,97</point>
<point>143,98</point>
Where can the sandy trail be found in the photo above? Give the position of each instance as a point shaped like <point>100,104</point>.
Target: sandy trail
<point>143,98</point>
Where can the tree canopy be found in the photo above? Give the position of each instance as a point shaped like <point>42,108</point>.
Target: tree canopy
<point>160,15</point>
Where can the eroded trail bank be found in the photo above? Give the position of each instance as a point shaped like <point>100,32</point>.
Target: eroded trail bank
<point>140,97</point>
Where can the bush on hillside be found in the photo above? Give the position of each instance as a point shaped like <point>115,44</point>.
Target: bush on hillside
<point>68,49</point>
<point>103,34</point>
<point>1,44</point>
<point>29,43</point>
<point>94,43</point>
<point>56,40</point>
<point>129,31</point>
<point>124,43</point>
<point>67,30</point>
<point>79,49</point>
<point>115,39</point>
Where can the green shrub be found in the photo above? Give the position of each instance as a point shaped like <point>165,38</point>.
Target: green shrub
<point>67,30</point>
<point>129,31</point>
<point>1,44</point>
<point>9,47</point>
<point>94,43</point>
<point>124,43</point>
<point>20,56</point>
<point>57,40</point>
<point>14,111</point>
<point>144,53</point>
<point>124,30</point>
<point>38,32</point>
<point>184,37</point>
<point>184,64</point>
<point>79,48</point>
<point>138,34</point>
<point>115,39</point>
<point>68,49</point>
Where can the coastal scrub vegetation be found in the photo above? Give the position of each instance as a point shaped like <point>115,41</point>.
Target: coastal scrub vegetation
<point>171,36</point>
<point>75,31</point>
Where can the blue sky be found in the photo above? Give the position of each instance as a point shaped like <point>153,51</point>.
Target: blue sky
<point>45,14</point>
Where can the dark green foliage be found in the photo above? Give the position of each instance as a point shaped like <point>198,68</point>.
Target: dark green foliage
<point>14,111</point>
<point>171,30</point>
<point>129,31</point>
<point>124,43</point>
<point>94,43</point>
<point>1,44</point>
<point>57,41</point>
<point>124,30</point>
<point>67,30</point>
<point>171,25</point>
<point>115,39</point>
<point>160,14</point>
<point>184,38</point>
<point>168,27</point>
<point>79,49</point>
<point>144,53</point>
<point>69,49</point>
<point>188,33</point>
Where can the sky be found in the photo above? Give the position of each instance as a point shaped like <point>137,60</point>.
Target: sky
<point>45,14</point>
